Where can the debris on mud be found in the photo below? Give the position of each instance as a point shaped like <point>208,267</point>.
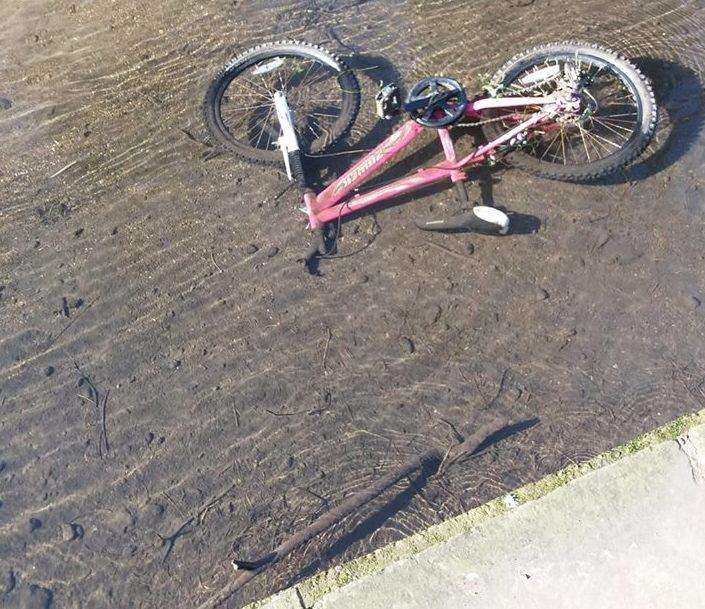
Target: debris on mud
<point>272,251</point>
<point>9,582</point>
<point>429,463</point>
<point>71,531</point>
<point>408,345</point>
<point>34,524</point>
<point>251,249</point>
<point>432,314</point>
<point>36,597</point>
<point>541,294</point>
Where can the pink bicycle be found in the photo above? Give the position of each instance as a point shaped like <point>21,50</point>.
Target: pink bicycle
<point>569,111</point>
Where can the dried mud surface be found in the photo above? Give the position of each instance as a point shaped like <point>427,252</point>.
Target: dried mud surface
<point>175,390</point>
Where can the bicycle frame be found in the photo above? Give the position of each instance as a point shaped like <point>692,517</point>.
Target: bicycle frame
<point>333,202</point>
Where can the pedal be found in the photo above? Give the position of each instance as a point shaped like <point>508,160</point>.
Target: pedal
<point>482,219</point>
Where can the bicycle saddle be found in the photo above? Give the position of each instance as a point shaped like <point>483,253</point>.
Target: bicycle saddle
<point>436,101</point>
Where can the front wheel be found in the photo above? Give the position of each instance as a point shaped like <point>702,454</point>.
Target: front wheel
<point>616,121</point>
<point>321,91</point>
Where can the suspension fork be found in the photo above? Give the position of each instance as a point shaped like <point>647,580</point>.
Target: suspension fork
<point>293,160</point>
<point>288,142</point>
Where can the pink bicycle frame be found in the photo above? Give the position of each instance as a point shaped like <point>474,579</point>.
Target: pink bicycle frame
<point>333,202</point>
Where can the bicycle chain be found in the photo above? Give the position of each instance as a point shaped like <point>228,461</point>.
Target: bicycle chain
<point>479,123</point>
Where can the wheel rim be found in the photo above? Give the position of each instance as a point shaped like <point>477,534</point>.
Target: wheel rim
<point>609,119</point>
<point>315,94</point>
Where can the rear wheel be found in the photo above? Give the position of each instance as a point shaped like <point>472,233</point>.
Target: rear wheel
<point>322,93</point>
<point>615,123</point>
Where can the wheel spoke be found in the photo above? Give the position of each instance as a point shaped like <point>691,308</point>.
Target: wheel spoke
<point>613,127</point>
<point>565,158</point>
<point>264,125</point>
<point>582,137</point>
<point>545,152</point>
<point>606,122</point>
<point>314,94</point>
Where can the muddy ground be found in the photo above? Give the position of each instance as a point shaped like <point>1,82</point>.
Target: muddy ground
<point>172,398</point>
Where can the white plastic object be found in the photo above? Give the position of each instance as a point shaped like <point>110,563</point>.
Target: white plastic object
<point>493,216</point>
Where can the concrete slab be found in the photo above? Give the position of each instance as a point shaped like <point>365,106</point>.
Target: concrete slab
<point>627,535</point>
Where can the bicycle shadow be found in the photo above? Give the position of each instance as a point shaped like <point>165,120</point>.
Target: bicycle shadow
<point>376,69</point>
<point>519,224</point>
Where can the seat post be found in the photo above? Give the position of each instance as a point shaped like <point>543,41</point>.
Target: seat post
<point>449,152</point>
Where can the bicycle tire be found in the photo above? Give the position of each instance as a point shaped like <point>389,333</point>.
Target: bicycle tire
<point>640,85</point>
<point>350,97</point>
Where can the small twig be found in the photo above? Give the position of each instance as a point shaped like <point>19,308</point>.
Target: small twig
<point>280,194</point>
<point>64,168</point>
<point>501,388</point>
<point>325,351</point>
<point>215,263</point>
<point>441,466</point>
<point>203,512</point>
<point>316,495</point>
<point>447,249</point>
<point>171,540</point>
<point>176,505</point>
<point>285,414</point>
<point>104,431</point>
<point>248,570</point>
<point>68,325</point>
<point>193,138</point>
<point>456,434</point>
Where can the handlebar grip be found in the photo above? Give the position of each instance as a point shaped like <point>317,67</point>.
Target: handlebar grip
<point>482,219</point>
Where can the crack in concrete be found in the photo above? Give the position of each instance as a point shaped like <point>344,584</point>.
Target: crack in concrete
<point>696,462</point>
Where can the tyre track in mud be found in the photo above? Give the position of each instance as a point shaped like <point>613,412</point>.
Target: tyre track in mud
<point>227,368</point>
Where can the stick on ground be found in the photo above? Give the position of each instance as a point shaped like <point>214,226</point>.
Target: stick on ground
<point>248,570</point>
